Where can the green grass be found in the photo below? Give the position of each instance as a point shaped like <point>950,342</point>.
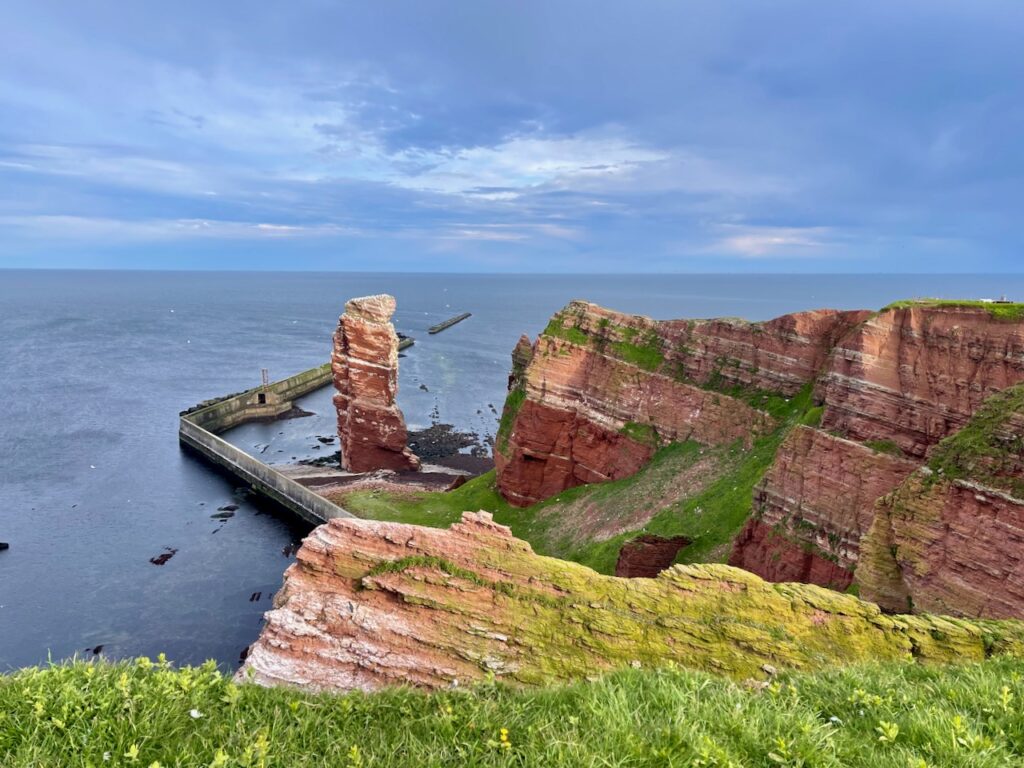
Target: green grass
<point>812,417</point>
<point>1011,312</point>
<point>557,329</point>
<point>644,434</point>
<point>539,523</point>
<point>884,446</point>
<point>647,354</point>
<point>891,716</point>
<point>710,518</point>
<point>989,449</point>
<point>644,352</point>
<point>438,509</point>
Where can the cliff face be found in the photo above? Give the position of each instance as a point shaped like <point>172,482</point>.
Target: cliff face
<point>813,506</point>
<point>779,355</point>
<point>953,547</point>
<point>914,375</point>
<point>371,604</point>
<point>951,537</point>
<point>599,391</point>
<point>895,386</point>
<point>365,367</point>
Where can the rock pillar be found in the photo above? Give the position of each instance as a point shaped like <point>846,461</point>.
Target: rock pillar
<point>365,366</point>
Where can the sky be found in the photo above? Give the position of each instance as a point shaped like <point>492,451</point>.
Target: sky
<point>516,136</point>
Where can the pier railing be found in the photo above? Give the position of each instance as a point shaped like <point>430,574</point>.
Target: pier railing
<point>198,428</point>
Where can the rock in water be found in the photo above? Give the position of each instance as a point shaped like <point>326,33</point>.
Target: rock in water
<point>365,365</point>
<point>370,604</point>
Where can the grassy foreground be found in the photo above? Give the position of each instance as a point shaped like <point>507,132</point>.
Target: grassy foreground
<point>894,716</point>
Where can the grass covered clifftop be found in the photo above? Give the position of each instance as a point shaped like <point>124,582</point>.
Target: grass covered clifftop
<point>883,716</point>
<point>1008,311</point>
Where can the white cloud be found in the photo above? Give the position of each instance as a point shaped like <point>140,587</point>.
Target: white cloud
<point>763,242</point>
<point>82,228</point>
<point>501,172</point>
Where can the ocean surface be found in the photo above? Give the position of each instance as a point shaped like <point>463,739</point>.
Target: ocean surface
<point>96,366</point>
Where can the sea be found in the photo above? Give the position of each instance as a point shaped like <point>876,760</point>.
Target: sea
<point>95,366</point>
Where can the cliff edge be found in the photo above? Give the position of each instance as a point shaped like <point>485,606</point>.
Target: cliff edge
<point>371,604</point>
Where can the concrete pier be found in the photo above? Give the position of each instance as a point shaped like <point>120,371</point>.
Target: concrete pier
<point>198,428</point>
<point>449,323</point>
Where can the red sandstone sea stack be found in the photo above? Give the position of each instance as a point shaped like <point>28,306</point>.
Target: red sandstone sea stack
<point>365,366</point>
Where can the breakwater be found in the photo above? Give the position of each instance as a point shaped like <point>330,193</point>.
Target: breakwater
<point>449,323</point>
<point>198,428</point>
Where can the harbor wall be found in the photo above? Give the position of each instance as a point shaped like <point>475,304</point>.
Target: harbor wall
<point>198,427</point>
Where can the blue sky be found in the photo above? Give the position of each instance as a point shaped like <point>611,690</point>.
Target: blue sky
<point>525,136</point>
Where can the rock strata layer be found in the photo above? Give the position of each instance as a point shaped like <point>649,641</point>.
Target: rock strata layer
<point>371,604</point>
<point>913,375</point>
<point>944,546</point>
<point>599,390</point>
<point>813,506</point>
<point>892,389</point>
<point>951,537</point>
<point>365,366</point>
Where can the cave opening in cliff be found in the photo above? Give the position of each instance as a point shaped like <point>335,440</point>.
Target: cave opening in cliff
<point>646,556</point>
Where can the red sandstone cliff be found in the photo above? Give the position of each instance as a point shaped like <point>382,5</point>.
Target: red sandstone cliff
<point>779,355</point>
<point>813,506</point>
<point>940,546</point>
<point>951,537</point>
<point>897,385</point>
<point>365,366</point>
<point>914,375</point>
<point>370,604</point>
<point>600,390</point>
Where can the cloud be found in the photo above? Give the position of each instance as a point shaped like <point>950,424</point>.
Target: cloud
<point>90,230</point>
<point>752,242</point>
<point>548,133</point>
<point>524,162</point>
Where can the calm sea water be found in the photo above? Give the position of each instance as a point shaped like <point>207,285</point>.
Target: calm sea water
<point>96,365</point>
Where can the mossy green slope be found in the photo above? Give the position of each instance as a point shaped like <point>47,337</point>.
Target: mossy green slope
<point>879,716</point>
<point>563,621</point>
<point>709,518</point>
<point>990,449</point>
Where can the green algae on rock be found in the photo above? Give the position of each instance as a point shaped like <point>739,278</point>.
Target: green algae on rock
<point>374,604</point>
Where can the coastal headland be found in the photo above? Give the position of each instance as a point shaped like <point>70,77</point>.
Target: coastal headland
<point>634,447</point>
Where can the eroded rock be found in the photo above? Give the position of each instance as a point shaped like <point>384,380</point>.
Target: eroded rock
<point>647,555</point>
<point>371,427</point>
<point>370,604</point>
<point>600,390</point>
<point>813,506</point>
<point>951,537</point>
<point>913,375</point>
